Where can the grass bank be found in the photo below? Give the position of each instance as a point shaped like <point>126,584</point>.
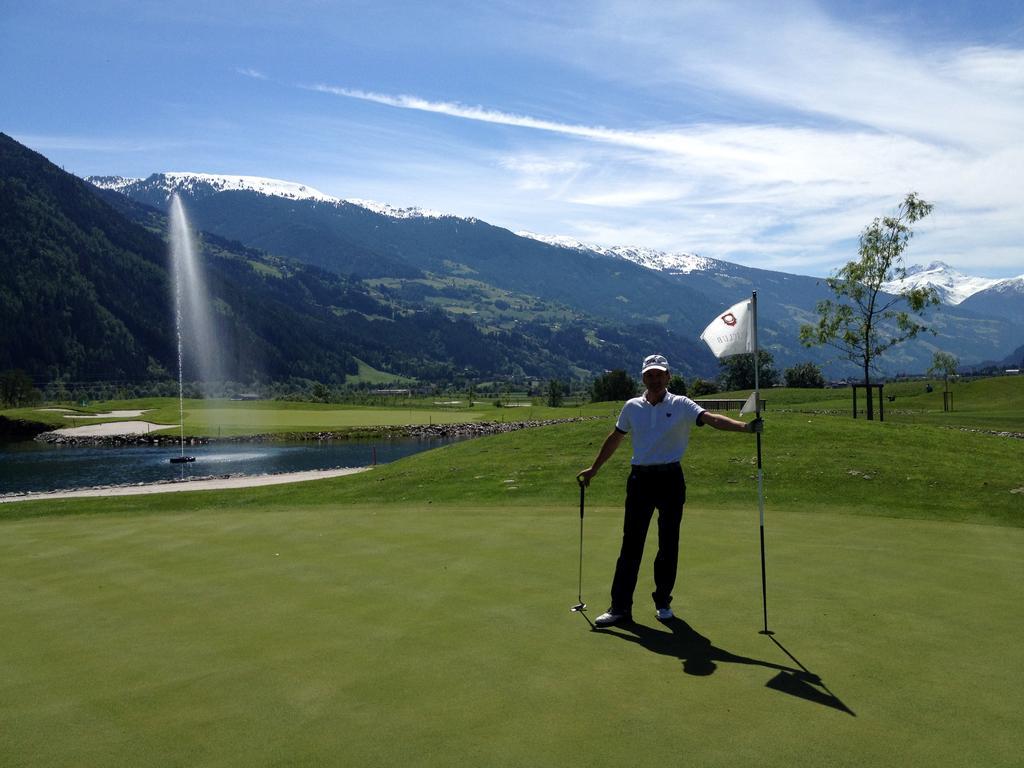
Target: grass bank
<point>812,463</point>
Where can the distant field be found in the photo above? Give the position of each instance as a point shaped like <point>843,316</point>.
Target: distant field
<point>993,403</point>
<point>236,418</point>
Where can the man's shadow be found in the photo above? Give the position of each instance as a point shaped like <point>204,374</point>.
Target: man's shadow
<point>700,657</point>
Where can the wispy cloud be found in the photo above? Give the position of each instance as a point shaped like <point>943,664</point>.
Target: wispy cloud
<point>840,121</point>
<point>755,153</point>
<point>255,74</point>
<point>774,187</point>
<point>104,144</point>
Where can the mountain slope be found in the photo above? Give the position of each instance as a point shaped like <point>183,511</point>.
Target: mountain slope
<point>952,285</point>
<point>419,256</point>
<point>71,266</point>
<point>330,232</point>
<point>86,295</point>
<point>1003,299</point>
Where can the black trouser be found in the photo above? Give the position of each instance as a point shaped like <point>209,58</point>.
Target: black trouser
<point>663,487</point>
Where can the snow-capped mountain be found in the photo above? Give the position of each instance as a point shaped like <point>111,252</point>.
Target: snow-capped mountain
<point>1005,299</point>
<point>116,183</point>
<point>203,184</point>
<point>952,285</point>
<point>1009,288</point>
<point>620,284</point>
<point>660,261</point>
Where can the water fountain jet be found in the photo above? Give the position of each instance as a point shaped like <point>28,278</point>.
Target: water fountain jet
<point>191,309</point>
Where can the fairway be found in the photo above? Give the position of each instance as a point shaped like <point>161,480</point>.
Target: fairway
<point>426,635</point>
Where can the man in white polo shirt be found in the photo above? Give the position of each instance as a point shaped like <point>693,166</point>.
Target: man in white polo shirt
<point>659,423</point>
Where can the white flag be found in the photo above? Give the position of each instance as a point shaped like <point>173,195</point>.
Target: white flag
<point>750,406</point>
<point>730,333</point>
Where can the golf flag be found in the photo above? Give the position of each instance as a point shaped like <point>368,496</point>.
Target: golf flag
<point>734,332</point>
<point>751,405</point>
<point>730,333</point>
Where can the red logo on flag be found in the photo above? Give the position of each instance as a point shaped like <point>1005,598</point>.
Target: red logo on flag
<point>729,319</point>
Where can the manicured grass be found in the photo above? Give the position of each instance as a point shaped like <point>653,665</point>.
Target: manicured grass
<point>435,635</point>
<point>811,463</point>
<point>220,419</point>
<point>418,614</point>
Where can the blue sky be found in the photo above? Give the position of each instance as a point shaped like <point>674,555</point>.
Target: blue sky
<point>762,133</point>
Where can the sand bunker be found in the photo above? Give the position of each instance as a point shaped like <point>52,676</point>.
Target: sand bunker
<point>108,415</point>
<point>210,484</point>
<point>113,428</point>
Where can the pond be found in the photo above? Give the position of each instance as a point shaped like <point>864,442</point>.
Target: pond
<point>27,467</point>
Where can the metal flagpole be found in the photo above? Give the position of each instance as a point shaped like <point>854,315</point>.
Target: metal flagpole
<point>760,470</point>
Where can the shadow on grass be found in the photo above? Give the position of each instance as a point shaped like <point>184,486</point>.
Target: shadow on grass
<point>700,657</point>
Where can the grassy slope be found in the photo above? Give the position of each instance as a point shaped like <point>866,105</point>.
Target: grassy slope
<point>992,403</point>
<point>811,463</point>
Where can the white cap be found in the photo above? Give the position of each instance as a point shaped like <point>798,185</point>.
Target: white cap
<point>654,363</point>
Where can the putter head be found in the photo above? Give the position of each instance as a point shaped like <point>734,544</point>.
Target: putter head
<point>579,608</point>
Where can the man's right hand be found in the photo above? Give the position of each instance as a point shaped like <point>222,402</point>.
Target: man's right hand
<point>585,476</point>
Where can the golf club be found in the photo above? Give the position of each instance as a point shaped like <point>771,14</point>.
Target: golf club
<point>580,607</point>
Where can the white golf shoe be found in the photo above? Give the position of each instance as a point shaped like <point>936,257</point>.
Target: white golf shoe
<point>609,619</point>
<point>664,614</point>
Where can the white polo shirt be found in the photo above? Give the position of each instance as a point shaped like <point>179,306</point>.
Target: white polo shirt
<point>660,433</point>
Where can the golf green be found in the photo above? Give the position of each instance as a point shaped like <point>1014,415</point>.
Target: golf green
<point>434,634</point>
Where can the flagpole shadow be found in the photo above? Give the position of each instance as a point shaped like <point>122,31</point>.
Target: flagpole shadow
<point>700,658</point>
<point>789,683</point>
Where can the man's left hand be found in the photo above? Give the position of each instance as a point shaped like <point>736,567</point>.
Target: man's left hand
<point>756,426</point>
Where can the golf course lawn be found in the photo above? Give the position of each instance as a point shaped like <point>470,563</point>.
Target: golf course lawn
<point>418,614</point>
<point>426,635</point>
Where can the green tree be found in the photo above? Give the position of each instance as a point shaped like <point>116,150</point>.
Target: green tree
<point>945,364</point>
<point>737,372</point>
<point>613,385</point>
<point>804,376</point>
<point>16,389</point>
<point>864,322</point>
<point>320,393</point>
<point>556,393</point>
<point>703,387</point>
<point>677,385</point>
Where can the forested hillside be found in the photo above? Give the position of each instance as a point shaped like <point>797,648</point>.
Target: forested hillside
<point>86,296</point>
